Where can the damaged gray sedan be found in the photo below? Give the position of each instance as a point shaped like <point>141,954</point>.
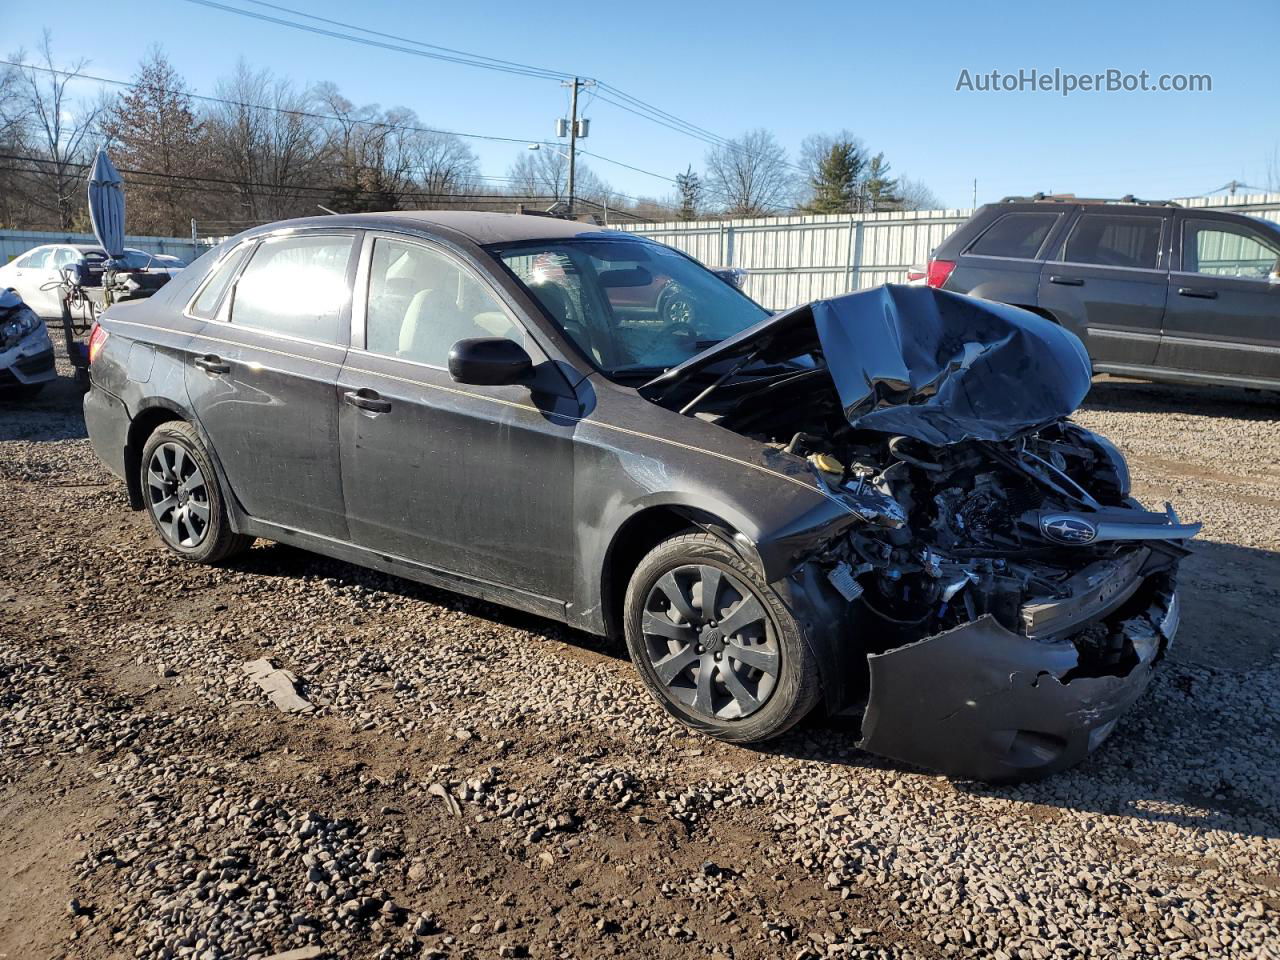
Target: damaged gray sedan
<point>875,504</point>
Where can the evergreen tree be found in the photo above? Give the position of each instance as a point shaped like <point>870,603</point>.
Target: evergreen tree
<point>689,188</point>
<point>152,127</point>
<point>836,178</point>
<point>879,189</point>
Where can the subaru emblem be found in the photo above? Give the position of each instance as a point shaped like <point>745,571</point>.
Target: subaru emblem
<point>1068,529</point>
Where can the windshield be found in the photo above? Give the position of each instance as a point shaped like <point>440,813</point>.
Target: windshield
<point>633,306</point>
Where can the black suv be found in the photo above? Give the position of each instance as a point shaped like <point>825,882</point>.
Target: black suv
<point>1155,290</point>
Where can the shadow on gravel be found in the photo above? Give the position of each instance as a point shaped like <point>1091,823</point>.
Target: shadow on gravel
<point>1174,760</point>
<point>280,560</point>
<point>1129,396</point>
<point>52,414</point>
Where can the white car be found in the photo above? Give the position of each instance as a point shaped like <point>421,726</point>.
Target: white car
<point>26,352</point>
<point>36,274</point>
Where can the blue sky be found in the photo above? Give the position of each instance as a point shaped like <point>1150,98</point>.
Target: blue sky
<point>887,71</point>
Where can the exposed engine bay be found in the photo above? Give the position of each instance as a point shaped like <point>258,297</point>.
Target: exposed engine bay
<point>1008,530</point>
<point>983,513</point>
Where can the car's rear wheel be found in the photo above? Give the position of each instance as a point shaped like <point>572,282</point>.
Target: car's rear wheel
<point>180,490</point>
<point>715,645</point>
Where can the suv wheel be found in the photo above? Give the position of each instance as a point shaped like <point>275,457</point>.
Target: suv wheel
<point>715,645</point>
<point>182,497</point>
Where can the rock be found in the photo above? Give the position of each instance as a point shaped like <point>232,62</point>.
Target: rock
<point>301,953</point>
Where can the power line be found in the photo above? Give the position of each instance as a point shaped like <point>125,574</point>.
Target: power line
<point>640,108</point>
<point>472,59</point>
<point>259,106</point>
<point>311,115</point>
<point>467,59</point>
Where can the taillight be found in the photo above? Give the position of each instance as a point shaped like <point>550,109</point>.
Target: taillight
<point>939,270</point>
<point>97,339</point>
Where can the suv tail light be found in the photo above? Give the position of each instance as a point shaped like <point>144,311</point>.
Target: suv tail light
<point>97,338</point>
<point>939,270</point>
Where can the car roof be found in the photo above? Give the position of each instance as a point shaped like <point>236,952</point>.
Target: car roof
<point>478,227</point>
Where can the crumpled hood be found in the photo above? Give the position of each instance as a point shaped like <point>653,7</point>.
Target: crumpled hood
<point>924,363</point>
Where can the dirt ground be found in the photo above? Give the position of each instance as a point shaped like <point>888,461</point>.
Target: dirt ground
<point>479,783</point>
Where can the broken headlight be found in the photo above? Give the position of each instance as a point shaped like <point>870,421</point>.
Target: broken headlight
<point>20,322</point>
<point>1111,461</point>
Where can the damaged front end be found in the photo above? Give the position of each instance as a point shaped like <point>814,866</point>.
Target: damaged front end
<point>1004,595</point>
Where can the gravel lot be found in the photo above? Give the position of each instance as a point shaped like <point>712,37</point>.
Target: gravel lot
<point>478,783</point>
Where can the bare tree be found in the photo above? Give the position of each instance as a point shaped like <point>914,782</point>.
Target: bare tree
<point>442,165</point>
<point>750,175</point>
<point>545,173</point>
<point>915,195</point>
<point>15,205</point>
<point>57,133</point>
<point>267,141</point>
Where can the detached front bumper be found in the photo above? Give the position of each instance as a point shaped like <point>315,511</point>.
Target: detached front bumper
<point>982,702</point>
<point>29,361</point>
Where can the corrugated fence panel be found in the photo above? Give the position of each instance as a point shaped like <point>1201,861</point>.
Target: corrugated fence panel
<point>796,259</point>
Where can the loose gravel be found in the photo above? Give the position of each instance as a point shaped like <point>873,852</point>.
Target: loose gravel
<point>478,783</point>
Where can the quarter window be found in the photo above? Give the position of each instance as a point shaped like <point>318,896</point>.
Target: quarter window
<point>1115,241</point>
<point>421,303</point>
<point>1225,250</point>
<point>295,286</point>
<point>1017,235</point>
<point>205,304</point>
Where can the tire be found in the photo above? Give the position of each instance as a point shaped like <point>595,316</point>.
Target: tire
<point>712,672</point>
<point>675,306</point>
<point>181,496</point>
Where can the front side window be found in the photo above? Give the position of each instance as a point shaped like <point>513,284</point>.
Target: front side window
<point>206,302</point>
<point>1017,235</point>
<point>1112,241</point>
<point>296,286</point>
<point>422,302</point>
<point>1225,250</point>
<point>633,306</point>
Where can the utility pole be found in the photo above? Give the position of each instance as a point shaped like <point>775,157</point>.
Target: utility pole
<point>573,139</point>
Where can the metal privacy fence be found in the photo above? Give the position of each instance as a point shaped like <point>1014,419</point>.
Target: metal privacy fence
<point>14,243</point>
<point>792,260</point>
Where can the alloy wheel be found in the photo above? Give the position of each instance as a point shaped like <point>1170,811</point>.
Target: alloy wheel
<point>178,495</point>
<point>710,642</point>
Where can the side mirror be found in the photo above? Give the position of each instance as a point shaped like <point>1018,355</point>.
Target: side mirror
<point>489,361</point>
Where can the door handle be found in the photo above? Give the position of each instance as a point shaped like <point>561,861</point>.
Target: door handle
<point>1067,281</point>
<point>367,399</point>
<point>1198,292</point>
<point>212,364</point>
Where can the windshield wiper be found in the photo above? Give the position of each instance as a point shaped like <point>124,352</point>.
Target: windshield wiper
<point>715,384</point>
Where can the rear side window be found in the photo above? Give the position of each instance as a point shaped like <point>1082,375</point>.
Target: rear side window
<point>1017,235</point>
<point>1115,241</point>
<point>36,259</point>
<point>205,304</point>
<point>295,286</point>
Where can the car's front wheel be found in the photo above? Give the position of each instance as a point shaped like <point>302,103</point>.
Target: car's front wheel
<point>182,496</point>
<point>715,644</point>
